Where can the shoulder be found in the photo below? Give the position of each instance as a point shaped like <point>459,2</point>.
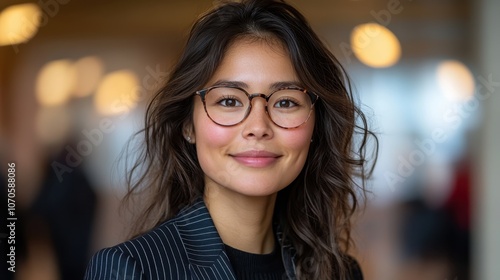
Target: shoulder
<point>165,252</point>
<point>113,263</point>
<point>157,254</point>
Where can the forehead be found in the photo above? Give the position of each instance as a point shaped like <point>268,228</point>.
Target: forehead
<point>264,45</point>
<point>255,61</point>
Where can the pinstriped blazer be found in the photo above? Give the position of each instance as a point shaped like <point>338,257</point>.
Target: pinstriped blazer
<point>185,247</point>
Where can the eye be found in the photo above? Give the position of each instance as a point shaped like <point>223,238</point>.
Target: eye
<point>285,103</point>
<point>229,101</point>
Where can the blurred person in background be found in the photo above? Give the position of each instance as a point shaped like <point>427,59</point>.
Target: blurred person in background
<point>63,215</point>
<point>249,162</point>
<point>437,235</point>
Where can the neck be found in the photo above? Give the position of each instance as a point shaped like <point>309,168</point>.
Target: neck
<point>243,222</point>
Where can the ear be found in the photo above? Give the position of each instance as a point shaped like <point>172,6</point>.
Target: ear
<point>188,132</point>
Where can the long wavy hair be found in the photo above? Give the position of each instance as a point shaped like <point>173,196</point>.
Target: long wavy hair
<point>315,209</point>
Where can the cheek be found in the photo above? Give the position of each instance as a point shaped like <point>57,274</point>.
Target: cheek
<point>208,135</point>
<point>212,145</point>
<point>297,143</point>
<point>299,139</point>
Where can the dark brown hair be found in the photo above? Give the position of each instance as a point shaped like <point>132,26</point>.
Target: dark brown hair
<point>315,209</point>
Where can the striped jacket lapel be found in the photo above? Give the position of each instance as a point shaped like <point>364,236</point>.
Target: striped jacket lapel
<point>202,243</point>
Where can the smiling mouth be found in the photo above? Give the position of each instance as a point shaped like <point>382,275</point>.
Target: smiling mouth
<point>256,158</point>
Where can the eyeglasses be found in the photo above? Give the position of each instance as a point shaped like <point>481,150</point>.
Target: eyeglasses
<point>229,105</point>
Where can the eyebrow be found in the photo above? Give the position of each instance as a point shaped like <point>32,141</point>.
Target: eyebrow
<point>274,86</point>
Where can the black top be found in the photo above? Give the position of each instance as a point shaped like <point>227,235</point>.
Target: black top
<point>256,266</point>
<point>270,266</point>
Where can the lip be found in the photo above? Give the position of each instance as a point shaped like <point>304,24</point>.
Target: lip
<point>256,158</point>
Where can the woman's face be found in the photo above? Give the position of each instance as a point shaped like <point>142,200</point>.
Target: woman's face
<point>255,157</point>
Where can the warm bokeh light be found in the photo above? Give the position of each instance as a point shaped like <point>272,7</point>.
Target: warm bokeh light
<point>19,23</point>
<point>53,124</point>
<point>89,71</point>
<point>117,93</point>
<point>375,45</point>
<point>455,80</point>
<point>55,82</point>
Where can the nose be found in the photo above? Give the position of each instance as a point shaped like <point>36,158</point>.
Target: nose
<point>258,125</point>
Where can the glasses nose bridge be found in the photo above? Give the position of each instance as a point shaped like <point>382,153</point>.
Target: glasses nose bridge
<point>253,95</point>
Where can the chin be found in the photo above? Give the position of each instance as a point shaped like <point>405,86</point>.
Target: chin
<point>253,191</point>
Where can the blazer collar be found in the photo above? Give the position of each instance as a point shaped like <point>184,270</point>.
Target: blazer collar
<point>202,243</point>
<point>198,233</point>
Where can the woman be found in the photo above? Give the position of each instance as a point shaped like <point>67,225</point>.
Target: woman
<point>249,157</point>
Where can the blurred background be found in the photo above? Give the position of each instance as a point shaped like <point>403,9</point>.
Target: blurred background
<point>75,77</point>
